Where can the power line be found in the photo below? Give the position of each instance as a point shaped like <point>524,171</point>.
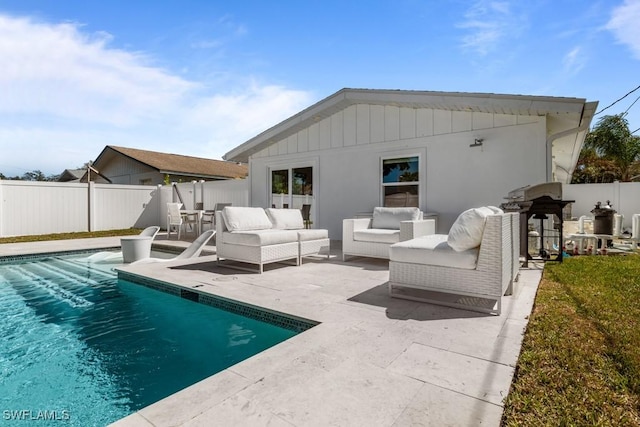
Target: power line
<point>627,110</point>
<point>618,100</point>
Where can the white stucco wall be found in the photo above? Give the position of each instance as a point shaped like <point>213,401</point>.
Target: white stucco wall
<point>347,149</point>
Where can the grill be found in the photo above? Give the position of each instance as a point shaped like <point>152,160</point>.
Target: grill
<point>537,201</point>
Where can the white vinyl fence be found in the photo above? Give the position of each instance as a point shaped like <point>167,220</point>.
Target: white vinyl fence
<point>32,208</point>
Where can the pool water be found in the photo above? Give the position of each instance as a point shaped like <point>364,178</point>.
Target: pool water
<point>80,347</point>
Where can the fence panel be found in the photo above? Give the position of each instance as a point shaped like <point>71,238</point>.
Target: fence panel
<point>624,198</point>
<point>28,208</point>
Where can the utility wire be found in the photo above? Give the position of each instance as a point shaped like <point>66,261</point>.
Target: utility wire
<point>627,110</point>
<point>618,100</point>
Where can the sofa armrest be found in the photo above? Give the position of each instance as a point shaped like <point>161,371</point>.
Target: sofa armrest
<point>412,229</point>
<point>358,223</point>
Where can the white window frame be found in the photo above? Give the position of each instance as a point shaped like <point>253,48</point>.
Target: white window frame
<point>421,174</point>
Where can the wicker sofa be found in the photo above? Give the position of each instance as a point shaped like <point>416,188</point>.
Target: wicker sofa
<point>261,236</point>
<point>472,276</point>
<point>371,237</point>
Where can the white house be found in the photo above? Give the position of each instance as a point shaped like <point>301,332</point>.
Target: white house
<point>442,151</point>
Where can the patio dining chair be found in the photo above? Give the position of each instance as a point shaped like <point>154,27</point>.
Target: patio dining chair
<point>306,215</point>
<point>175,219</point>
<point>209,216</point>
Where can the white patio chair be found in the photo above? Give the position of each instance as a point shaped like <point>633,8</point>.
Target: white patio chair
<point>175,219</point>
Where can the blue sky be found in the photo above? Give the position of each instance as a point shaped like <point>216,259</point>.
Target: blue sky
<point>201,77</point>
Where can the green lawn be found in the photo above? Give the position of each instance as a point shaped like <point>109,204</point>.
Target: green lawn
<point>63,236</point>
<point>580,360</point>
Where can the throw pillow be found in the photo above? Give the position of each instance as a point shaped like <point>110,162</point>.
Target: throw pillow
<point>466,231</point>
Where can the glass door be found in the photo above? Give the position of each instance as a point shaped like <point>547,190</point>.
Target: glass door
<point>292,188</point>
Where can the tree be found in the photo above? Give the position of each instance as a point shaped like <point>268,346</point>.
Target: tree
<point>610,152</point>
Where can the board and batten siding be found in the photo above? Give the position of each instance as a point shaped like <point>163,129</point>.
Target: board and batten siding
<point>347,148</point>
<point>370,124</point>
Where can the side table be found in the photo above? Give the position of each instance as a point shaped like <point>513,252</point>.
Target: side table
<point>135,248</point>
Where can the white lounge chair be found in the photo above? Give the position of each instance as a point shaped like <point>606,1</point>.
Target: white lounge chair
<point>192,251</point>
<point>116,257</point>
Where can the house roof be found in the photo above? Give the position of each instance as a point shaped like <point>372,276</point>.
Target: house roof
<point>177,164</point>
<point>69,175</point>
<point>564,115</point>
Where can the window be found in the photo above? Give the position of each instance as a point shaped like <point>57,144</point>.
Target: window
<point>401,181</point>
<point>292,187</point>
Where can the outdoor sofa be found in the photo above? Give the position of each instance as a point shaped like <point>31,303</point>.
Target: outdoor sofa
<point>261,236</point>
<point>372,237</point>
<point>472,267</point>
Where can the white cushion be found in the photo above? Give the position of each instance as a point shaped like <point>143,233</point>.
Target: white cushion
<point>285,219</point>
<point>466,232</point>
<point>260,237</point>
<point>312,234</point>
<point>243,219</point>
<point>390,218</point>
<point>377,235</point>
<point>433,250</point>
<point>496,210</point>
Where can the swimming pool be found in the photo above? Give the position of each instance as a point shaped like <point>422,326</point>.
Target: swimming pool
<point>78,346</point>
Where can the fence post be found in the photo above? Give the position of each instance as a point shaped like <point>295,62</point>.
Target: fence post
<point>90,205</point>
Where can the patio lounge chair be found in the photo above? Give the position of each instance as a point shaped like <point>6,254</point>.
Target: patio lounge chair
<point>116,257</point>
<point>472,267</point>
<point>192,251</point>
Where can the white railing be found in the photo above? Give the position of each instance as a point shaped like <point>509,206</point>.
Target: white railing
<point>33,208</point>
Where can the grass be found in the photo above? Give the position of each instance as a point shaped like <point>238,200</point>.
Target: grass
<point>64,236</point>
<point>580,360</point>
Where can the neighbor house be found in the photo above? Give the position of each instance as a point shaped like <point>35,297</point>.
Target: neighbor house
<point>121,165</point>
<point>72,175</point>
<point>441,151</point>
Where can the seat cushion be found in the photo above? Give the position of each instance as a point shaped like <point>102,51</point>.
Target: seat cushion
<point>433,250</point>
<point>466,231</point>
<point>259,237</point>
<point>312,234</point>
<point>376,235</point>
<point>285,219</point>
<point>238,218</point>
<point>389,218</point>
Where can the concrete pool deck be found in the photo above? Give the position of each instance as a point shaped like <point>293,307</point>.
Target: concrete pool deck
<point>373,360</point>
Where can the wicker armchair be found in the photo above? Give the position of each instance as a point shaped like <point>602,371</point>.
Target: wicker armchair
<point>371,237</point>
<point>474,279</point>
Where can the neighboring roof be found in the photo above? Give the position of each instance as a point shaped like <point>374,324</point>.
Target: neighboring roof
<point>563,114</point>
<point>176,164</point>
<point>69,175</point>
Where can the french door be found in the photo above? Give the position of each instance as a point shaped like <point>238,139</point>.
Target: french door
<point>292,188</point>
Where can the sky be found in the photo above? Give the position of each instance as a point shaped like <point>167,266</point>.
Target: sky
<point>199,78</point>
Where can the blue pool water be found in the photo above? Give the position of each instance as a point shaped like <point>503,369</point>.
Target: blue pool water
<point>80,347</point>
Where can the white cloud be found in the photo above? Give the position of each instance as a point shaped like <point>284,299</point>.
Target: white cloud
<point>488,23</point>
<point>66,94</point>
<point>574,60</point>
<point>624,25</point>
